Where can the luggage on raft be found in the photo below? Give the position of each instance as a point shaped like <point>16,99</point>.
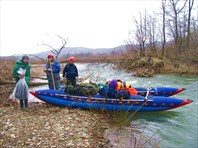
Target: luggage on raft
<point>81,90</point>
<point>113,93</point>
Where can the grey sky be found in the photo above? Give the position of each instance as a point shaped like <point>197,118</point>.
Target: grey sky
<point>93,24</point>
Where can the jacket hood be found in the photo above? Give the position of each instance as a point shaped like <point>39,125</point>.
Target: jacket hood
<point>21,62</point>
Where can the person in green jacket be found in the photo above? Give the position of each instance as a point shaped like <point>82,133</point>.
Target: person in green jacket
<point>24,64</point>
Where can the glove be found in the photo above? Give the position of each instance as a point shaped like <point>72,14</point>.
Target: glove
<point>21,76</point>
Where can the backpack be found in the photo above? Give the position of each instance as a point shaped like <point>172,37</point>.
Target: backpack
<point>113,93</point>
<point>81,90</point>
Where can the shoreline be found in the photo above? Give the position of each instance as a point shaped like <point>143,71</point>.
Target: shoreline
<point>148,67</point>
<point>44,125</point>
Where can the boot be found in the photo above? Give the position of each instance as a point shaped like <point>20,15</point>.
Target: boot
<point>21,104</point>
<point>26,103</point>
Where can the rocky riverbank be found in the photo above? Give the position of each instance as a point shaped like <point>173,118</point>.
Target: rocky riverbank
<point>47,126</point>
<point>44,125</point>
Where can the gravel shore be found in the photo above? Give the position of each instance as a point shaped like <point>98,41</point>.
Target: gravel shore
<point>43,125</point>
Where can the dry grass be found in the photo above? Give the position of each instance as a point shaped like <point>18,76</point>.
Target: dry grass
<point>6,67</point>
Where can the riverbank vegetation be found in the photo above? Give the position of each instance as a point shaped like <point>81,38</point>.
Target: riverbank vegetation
<point>165,42</point>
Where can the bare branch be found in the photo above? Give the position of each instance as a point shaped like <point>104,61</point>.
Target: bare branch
<point>37,57</point>
<point>49,47</point>
<point>53,50</point>
<point>64,42</point>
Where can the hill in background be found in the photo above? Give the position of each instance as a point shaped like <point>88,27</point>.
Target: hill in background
<point>83,51</point>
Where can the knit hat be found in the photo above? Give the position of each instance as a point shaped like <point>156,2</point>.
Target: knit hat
<point>25,57</point>
<point>113,84</point>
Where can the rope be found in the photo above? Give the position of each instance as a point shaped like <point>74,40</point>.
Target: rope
<point>145,100</point>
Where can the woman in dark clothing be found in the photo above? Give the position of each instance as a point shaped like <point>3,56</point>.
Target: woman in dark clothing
<point>70,72</point>
<point>52,70</point>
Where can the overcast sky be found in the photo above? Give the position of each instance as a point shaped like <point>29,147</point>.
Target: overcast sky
<point>93,24</point>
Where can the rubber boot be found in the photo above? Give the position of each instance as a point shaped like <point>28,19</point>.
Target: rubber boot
<point>21,104</point>
<point>26,104</point>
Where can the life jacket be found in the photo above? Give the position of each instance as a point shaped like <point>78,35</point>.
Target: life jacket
<point>119,85</point>
<point>131,90</point>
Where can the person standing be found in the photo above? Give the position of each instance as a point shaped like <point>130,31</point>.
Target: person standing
<point>70,72</point>
<point>52,70</point>
<point>25,65</point>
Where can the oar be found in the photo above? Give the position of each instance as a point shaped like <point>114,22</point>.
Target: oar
<point>98,75</point>
<point>52,76</point>
<point>86,77</point>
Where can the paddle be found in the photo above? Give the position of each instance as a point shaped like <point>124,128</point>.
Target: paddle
<point>52,76</point>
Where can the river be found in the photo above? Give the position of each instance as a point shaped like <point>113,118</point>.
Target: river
<point>177,128</point>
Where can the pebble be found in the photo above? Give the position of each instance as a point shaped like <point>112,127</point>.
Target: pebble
<point>49,126</point>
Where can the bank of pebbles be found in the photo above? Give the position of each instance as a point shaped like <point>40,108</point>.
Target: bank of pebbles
<point>44,125</point>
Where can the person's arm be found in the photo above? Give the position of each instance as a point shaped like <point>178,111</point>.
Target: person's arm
<point>47,68</point>
<point>56,67</point>
<point>15,69</point>
<point>64,70</point>
<point>76,71</point>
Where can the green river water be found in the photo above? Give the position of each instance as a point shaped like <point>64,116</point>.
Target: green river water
<point>177,128</point>
<point>174,128</point>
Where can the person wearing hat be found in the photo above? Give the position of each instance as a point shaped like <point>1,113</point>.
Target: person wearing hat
<point>25,65</point>
<point>52,70</point>
<point>70,72</point>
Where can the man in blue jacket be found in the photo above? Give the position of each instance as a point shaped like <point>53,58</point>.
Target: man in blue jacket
<point>52,70</point>
<point>71,72</point>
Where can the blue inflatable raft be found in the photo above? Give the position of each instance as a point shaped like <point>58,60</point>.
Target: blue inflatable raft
<point>133,103</point>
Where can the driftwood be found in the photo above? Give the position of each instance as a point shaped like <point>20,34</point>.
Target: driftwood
<point>42,78</point>
<point>30,84</point>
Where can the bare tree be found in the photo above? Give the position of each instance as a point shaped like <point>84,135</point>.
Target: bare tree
<point>174,4</point>
<point>56,52</point>
<point>131,49</point>
<point>38,57</point>
<point>190,6</point>
<point>163,26</point>
<point>153,32</point>
<point>141,33</point>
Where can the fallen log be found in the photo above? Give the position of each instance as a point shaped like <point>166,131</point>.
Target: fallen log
<point>37,83</point>
<point>42,78</point>
<point>30,84</point>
